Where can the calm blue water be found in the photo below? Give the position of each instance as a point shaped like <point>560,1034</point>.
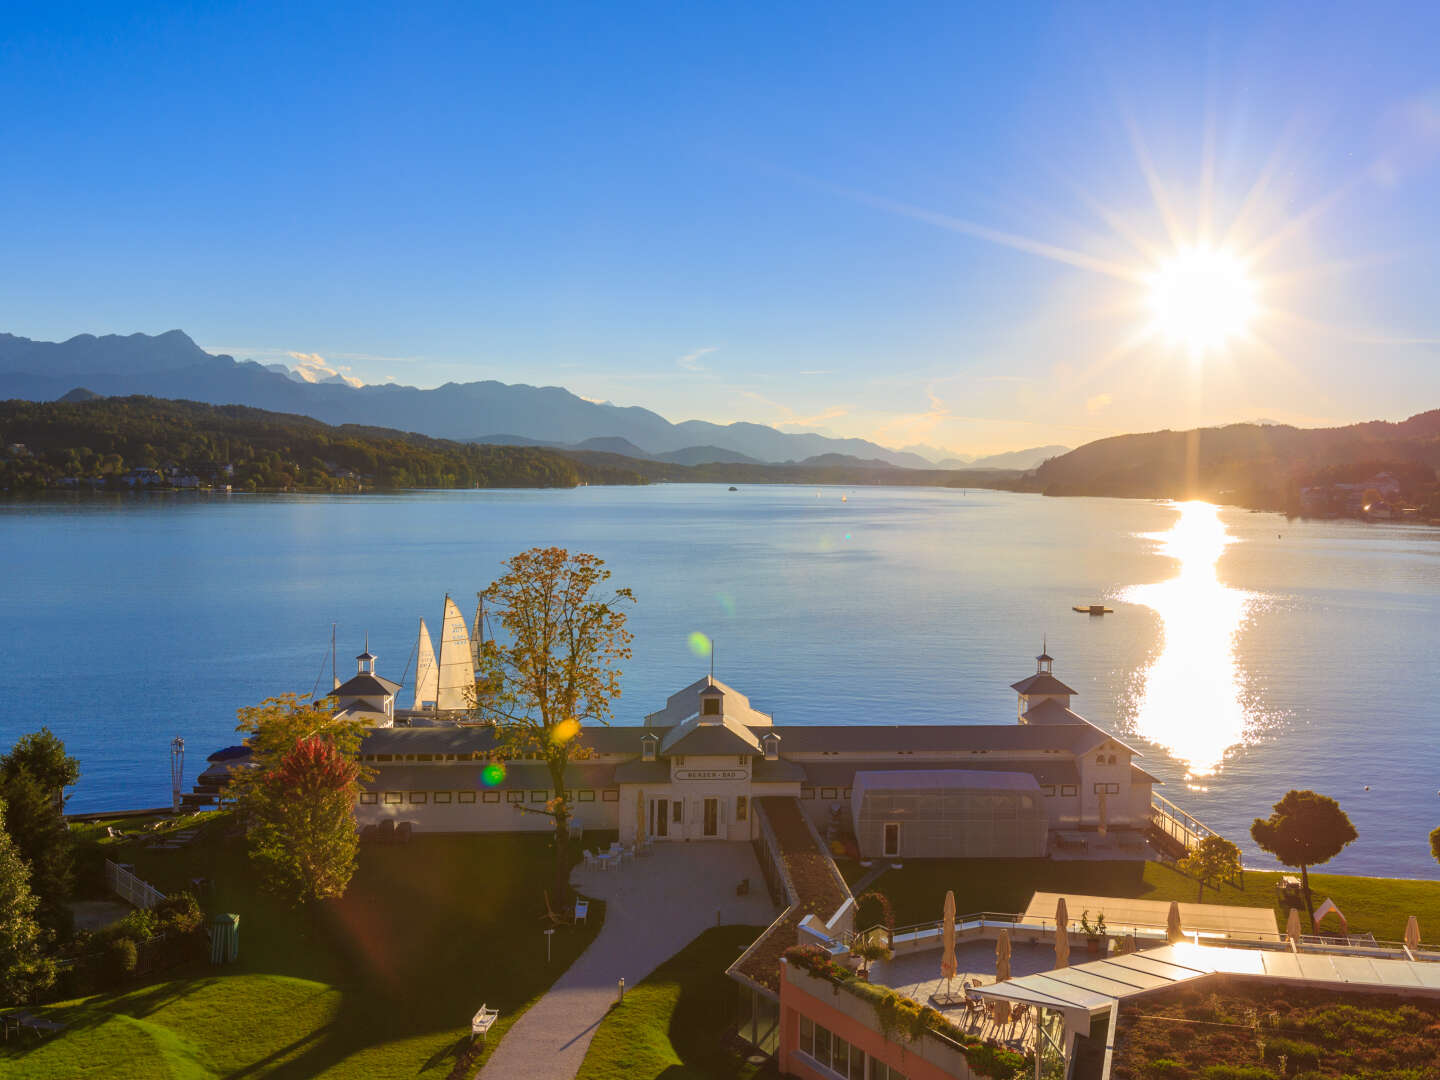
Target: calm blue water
<point>1281,654</point>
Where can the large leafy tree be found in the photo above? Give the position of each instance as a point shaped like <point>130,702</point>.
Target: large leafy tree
<point>303,834</point>
<point>1435,843</point>
<point>24,968</point>
<point>298,797</point>
<point>555,668</point>
<point>1305,830</point>
<point>33,778</point>
<point>1213,859</point>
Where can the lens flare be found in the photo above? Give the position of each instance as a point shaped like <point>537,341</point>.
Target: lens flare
<point>493,775</point>
<point>699,643</point>
<point>726,602</point>
<point>1201,299</point>
<point>565,731</point>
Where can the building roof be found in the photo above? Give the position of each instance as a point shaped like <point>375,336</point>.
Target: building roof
<point>366,686</point>
<point>776,772</point>
<point>1054,771</point>
<point>683,704</point>
<point>642,772</point>
<point>889,738</point>
<point>1041,683</point>
<point>449,738</point>
<point>1050,711</point>
<point>711,739</point>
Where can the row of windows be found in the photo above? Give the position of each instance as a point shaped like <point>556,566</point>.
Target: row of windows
<point>825,793</point>
<point>368,798</point>
<point>839,1057</point>
<point>1100,759</point>
<point>476,756</point>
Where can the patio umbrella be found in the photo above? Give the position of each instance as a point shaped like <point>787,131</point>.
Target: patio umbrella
<point>1062,934</point>
<point>1292,926</point>
<point>639,819</point>
<point>1104,816</point>
<point>947,932</point>
<point>1173,930</point>
<point>1412,933</point>
<point>1002,973</point>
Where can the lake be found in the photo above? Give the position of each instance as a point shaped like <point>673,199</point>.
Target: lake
<point>1247,654</point>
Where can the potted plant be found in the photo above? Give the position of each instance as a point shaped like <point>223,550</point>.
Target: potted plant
<point>868,946</point>
<point>1094,932</point>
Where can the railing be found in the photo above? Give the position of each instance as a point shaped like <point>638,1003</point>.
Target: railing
<point>1183,828</point>
<point>130,888</point>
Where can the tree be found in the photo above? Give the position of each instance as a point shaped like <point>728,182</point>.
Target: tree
<point>36,825</point>
<point>303,836</point>
<point>1435,843</point>
<point>298,801</point>
<point>1305,830</point>
<point>557,669</point>
<point>43,755</point>
<point>1214,858</point>
<point>24,969</point>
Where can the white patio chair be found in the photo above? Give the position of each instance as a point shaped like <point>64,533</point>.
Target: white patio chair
<point>582,908</point>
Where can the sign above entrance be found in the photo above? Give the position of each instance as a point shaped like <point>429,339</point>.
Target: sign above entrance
<point>711,774</point>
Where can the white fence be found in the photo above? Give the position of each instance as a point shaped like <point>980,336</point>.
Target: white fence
<point>130,888</point>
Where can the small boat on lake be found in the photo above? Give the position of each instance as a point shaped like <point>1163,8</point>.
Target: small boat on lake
<point>1094,609</point>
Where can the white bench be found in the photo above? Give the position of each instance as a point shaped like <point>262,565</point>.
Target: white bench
<point>482,1021</point>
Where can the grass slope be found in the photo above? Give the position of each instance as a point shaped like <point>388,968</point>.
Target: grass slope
<point>379,984</point>
<point>673,1023</point>
<point>917,892</point>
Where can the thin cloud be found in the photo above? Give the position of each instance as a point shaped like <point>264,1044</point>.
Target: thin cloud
<point>691,360</point>
<point>816,371</point>
<point>1100,401</point>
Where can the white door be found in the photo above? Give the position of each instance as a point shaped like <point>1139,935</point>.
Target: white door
<point>892,839</point>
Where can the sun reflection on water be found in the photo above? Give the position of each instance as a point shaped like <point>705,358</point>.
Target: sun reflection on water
<point>1191,700</point>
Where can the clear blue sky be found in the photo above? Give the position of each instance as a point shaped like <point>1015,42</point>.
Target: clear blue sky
<point>836,216</point>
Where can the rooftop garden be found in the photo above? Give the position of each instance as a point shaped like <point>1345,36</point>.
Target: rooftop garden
<point>904,1020</point>
<point>380,983</point>
<point>1219,1028</point>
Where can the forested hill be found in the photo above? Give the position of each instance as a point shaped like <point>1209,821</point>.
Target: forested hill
<point>115,442</point>
<point>1258,465</point>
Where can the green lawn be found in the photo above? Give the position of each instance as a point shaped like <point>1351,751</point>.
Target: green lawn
<point>379,984</point>
<point>673,1024</point>
<point>917,892</point>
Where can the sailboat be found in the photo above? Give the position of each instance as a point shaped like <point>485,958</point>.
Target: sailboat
<point>427,672</point>
<point>455,688</point>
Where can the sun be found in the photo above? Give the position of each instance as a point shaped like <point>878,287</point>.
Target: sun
<point>1202,298</point>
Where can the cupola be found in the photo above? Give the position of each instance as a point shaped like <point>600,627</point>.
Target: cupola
<point>771,742</point>
<point>648,742</point>
<point>712,705</point>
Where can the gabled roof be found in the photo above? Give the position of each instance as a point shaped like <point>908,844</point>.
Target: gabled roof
<point>1042,683</point>
<point>367,686</point>
<point>1051,711</point>
<point>683,704</point>
<point>1054,771</point>
<point>890,738</point>
<point>703,739</point>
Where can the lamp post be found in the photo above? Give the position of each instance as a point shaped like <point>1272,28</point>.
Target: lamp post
<point>548,935</point>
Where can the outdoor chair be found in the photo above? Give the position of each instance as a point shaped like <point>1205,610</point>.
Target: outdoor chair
<point>402,832</point>
<point>386,833</point>
<point>582,908</point>
<point>591,862</point>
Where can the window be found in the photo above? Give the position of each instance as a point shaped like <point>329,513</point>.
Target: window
<point>679,759</point>
<point>469,796</point>
<point>1107,789</point>
<point>822,1045</point>
<point>710,706</point>
<point>676,814</point>
<point>394,797</point>
<point>880,1071</point>
<point>587,794</point>
<point>1112,759</point>
<point>647,748</point>
<point>845,793</point>
<point>807,1035</point>
<point>832,1052</point>
<point>443,796</point>
<point>537,795</point>
<point>1069,789</point>
<point>827,793</point>
<point>806,792</point>
<point>1099,759</point>
<point>740,807</point>
<point>424,757</point>
<point>368,797</point>
<point>515,796</point>
<point>742,760</point>
<point>419,796</point>
<point>384,757</point>
<point>488,796</point>
<point>610,795</point>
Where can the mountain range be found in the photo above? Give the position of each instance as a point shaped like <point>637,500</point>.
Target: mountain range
<point>172,365</point>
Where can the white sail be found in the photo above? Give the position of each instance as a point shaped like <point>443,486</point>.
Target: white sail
<point>427,672</point>
<point>477,632</point>
<point>457,667</point>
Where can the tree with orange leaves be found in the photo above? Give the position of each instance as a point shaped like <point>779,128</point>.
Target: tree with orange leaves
<point>555,669</point>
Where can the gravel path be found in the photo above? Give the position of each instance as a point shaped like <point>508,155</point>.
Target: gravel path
<point>655,906</point>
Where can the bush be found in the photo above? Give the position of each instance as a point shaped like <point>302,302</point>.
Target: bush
<point>1297,1054</point>
<point>180,914</point>
<point>1237,1072</point>
<point>120,958</point>
<point>1166,1069</point>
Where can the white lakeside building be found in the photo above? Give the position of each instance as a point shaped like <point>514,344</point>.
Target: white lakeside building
<point>692,771</point>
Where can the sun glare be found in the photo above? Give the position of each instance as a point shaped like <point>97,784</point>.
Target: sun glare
<point>1201,299</point>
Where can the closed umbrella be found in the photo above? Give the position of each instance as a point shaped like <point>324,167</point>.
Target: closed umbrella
<point>1062,934</point>
<point>1412,933</point>
<point>1292,927</point>
<point>1173,930</point>
<point>1002,973</point>
<point>947,933</point>
<point>1104,816</point>
<point>639,820</point>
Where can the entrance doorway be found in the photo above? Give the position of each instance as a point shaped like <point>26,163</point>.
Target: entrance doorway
<point>712,817</point>
<point>659,817</point>
<point>891,847</point>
